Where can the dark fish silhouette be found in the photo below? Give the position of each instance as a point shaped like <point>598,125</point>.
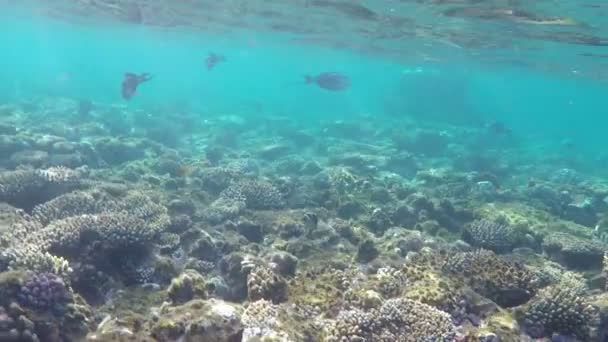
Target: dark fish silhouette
<point>499,128</point>
<point>213,59</point>
<point>333,81</point>
<point>568,144</point>
<point>84,107</point>
<point>131,82</point>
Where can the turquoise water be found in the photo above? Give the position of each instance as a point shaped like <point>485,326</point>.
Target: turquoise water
<point>458,182</point>
<point>86,59</point>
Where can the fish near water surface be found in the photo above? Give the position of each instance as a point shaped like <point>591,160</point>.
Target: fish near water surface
<point>213,59</point>
<point>333,81</point>
<point>130,83</point>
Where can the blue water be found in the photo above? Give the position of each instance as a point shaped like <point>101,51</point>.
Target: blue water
<point>467,125</point>
<point>263,76</point>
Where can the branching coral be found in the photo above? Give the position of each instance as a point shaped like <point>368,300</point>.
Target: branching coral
<point>264,283</point>
<point>257,194</point>
<point>490,235</point>
<point>75,219</point>
<point>216,179</point>
<point>15,253</point>
<point>26,188</point>
<point>506,282</point>
<point>113,229</point>
<point>73,204</point>
<point>396,320</point>
<point>574,251</point>
<point>261,320</point>
<point>136,221</point>
<point>251,194</point>
<point>223,209</point>
<point>563,309</point>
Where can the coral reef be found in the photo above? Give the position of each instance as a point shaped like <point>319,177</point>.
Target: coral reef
<point>574,251</point>
<point>490,235</point>
<point>40,307</point>
<point>25,188</point>
<point>199,320</point>
<point>253,194</point>
<point>236,231</point>
<point>264,283</point>
<point>44,291</point>
<point>395,320</point>
<point>563,309</point>
<point>187,286</point>
<point>506,282</point>
<point>261,321</point>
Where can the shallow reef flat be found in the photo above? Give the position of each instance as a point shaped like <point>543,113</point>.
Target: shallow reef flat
<point>120,224</point>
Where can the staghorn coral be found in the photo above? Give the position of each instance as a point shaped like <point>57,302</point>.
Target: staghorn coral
<point>216,179</point>
<point>16,253</point>
<point>223,209</point>
<point>134,221</point>
<point>573,251</point>
<point>422,279</point>
<point>257,194</point>
<point>506,282</point>
<point>261,320</point>
<point>264,283</point>
<point>396,320</point>
<point>73,204</point>
<point>351,326</point>
<point>113,229</point>
<point>26,188</point>
<point>168,242</point>
<point>31,257</point>
<point>15,225</point>
<point>561,308</point>
<point>490,235</point>
<point>251,194</point>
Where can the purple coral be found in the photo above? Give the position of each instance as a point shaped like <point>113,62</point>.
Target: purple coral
<point>45,291</point>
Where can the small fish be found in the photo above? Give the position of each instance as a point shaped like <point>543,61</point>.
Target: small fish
<point>333,81</point>
<point>568,144</point>
<point>131,82</point>
<point>499,128</point>
<point>213,59</point>
<point>84,107</point>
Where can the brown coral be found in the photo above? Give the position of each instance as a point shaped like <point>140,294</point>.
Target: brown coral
<point>265,283</point>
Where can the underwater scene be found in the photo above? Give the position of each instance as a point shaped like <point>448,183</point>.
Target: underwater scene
<point>303,170</point>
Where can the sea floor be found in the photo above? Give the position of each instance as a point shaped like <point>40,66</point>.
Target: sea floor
<point>121,224</point>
